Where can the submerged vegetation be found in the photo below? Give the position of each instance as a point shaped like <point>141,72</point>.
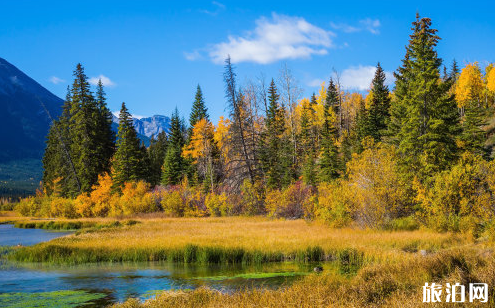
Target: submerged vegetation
<point>49,299</point>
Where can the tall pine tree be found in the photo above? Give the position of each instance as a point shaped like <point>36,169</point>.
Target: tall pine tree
<point>378,112</point>
<point>156,156</point>
<point>128,159</point>
<point>424,118</point>
<point>173,165</point>
<point>274,130</point>
<point>329,156</point>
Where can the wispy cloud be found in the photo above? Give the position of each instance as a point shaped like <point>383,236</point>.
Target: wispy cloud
<point>218,8</point>
<point>355,78</point>
<point>104,80</point>
<point>368,24</point>
<point>191,56</point>
<point>360,77</point>
<point>279,38</point>
<point>315,82</point>
<point>56,80</point>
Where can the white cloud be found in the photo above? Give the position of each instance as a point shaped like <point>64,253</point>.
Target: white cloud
<point>281,37</point>
<point>359,77</point>
<point>104,79</point>
<point>368,24</point>
<point>56,80</point>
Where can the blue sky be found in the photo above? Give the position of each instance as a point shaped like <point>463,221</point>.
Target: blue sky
<point>152,54</point>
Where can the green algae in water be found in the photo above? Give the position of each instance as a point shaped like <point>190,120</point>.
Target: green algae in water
<point>54,299</point>
<point>254,276</point>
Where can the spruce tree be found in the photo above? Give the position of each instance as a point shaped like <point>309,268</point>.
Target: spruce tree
<point>84,132</point>
<point>128,159</point>
<point>199,110</point>
<point>105,136</point>
<point>329,157</point>
<point>378,113</point>
<point>424,118</point>
<point>275,127</point>
<point>173,165</point>
<point>310,142</point>
<point>156,156</point>
<point>57,161</point>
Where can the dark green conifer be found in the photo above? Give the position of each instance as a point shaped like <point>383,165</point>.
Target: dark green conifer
<point>128,159</point>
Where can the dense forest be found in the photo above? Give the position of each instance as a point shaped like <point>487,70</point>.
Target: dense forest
<point>417,154</point>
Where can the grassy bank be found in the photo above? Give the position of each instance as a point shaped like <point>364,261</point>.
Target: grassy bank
<point>235,240</point>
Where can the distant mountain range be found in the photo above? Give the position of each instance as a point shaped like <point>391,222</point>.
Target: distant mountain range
<point>24,124</point>
<point>147,127</point>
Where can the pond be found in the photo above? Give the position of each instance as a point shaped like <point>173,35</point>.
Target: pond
<point>10,236</point>
<point>96,285</point>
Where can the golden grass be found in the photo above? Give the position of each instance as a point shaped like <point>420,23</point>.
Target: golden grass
<point>254,234</point>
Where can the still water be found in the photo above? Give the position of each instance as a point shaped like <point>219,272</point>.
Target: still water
<point>120,281</point>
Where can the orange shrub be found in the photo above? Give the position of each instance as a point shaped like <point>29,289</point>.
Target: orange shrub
<point>136,198</point>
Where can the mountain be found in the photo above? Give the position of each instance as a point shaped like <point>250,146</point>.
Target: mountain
<point>23,121</point>
<point>147,127</point>
<point>24,124</point>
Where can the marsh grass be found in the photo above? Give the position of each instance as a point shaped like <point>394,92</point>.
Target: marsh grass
<point>254,276</point>
<point>234,240</point>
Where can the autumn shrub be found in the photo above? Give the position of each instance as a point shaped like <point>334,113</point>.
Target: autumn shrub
<point>182,201</point>
<point>27,206</point>
<point>252,198</point>
<point>333,204</point>
<point>172,204</point>
<point>377,193</point>
<point>83,205</point>
<point>218,204</point>
<point>295,201</point>
<point>101,196</point>
<point>62,207</point>
<point>461,198</point>
<point>136,198</point>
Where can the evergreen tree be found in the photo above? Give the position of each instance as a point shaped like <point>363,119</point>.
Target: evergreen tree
<point>378,113</point>
<point>83,131</point>
<point>105,136</point>
<point>173,166</point>
<point>156,156</point>
<point>329,157</point>
<point>58,168</point>
<point>424,118</point>
<point>199,110</point>
<point>309,142</point>
<point>275,127</point>
<point>473,136</point>
<point>128,159</point>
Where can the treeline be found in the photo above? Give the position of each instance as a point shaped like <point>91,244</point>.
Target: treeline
<point>421,154</point>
